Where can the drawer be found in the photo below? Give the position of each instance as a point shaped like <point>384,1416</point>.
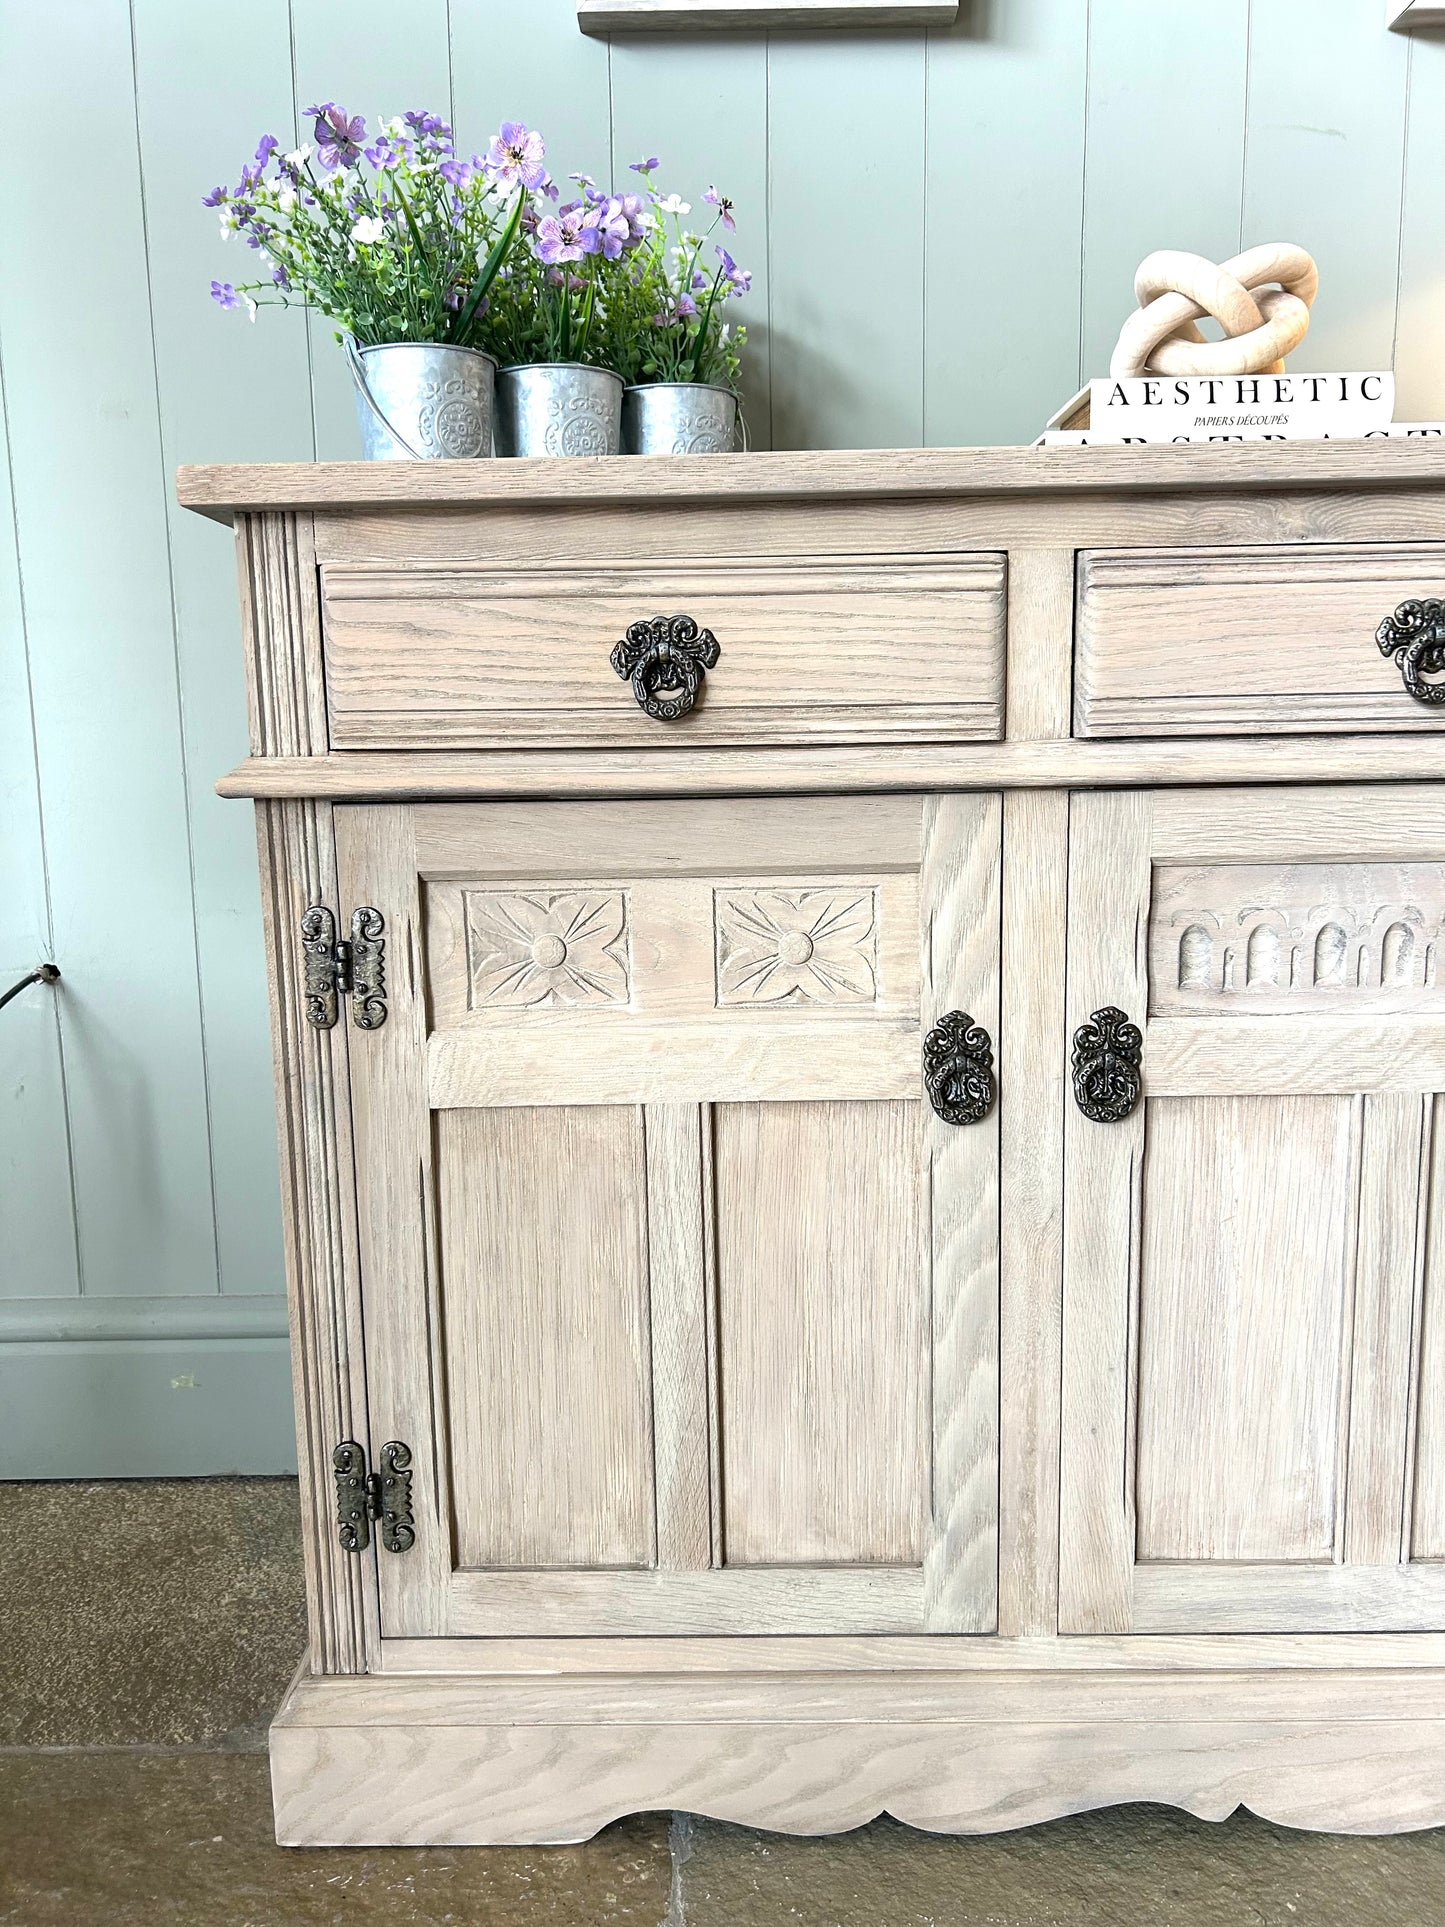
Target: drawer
<point>851,649</point>
<point>1201,642</point>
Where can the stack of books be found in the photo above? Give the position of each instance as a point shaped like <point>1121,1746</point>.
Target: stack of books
<point>1232,408</point>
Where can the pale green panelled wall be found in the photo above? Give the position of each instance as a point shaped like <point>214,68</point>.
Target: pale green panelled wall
<point>943,230</point>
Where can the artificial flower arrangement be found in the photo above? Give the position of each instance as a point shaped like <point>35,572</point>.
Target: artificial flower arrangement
<point>437,268</point>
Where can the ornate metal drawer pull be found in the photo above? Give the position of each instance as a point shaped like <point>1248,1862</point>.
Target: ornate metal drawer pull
<point>368,969</point>
<point>958,1069</point>
<point>665,654</point>
<point>1107,1050</point>
<point>1415,637</point>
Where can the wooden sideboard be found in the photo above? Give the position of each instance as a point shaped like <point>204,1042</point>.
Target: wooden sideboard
<point>876,1243</point>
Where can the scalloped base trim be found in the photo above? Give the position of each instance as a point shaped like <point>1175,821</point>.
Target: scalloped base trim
<point>423,1762</point>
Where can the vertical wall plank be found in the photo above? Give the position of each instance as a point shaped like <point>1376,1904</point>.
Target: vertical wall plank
<point>532,64</point>
<point>37,1216</point>
<point>228,392</point>
<point>845,240</point>
<point>90,504</point>
<point>1324,165</point>
<point>375,59</point>
<point>1005,156</point>
<point>1420,314</point>
<point>1165,147</point>
<point>708,123</point>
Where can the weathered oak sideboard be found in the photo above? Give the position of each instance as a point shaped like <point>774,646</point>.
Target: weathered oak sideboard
<point>859,1041</point>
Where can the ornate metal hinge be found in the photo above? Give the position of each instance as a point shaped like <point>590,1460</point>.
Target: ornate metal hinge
<point>1107,1053</point>
<point>335,969</point>
<point>1415,637</point>
<point>665,659</point>
<point>384,1496</point>
<point>958,1069</point>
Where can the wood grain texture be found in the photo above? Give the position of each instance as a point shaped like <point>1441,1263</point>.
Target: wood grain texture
<point>1032,1063</point>
<point>1393,1217</point>
<point>960,891</point>
<point>1181,642</point>
<point>437,775</point>
<point>396,1214</point>
<point>285,681</point>
<point>351,1780</point>
<point>505,533</point>
<point>474,657</point>
<point>1040,643</point>
<point>1244,1298</point>
<point>318,1205</point>
<point>817,473</point>
<point>1109,848</point>
<point>799,1598</point>
<point>823,1337</point>
<point>1380,1661</point>
<point>680,1284</point>
<point>544,1265</point>
<point>1329,940</point>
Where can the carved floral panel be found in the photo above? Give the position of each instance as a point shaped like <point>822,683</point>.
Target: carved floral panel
<point>1308,936</point>
<point>801,946</point>
<point>546,947</point>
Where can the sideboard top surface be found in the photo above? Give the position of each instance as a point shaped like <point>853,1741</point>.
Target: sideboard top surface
<point>221,491</point>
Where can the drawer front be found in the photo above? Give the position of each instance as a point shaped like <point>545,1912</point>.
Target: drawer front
<point>848,650</point>
<point>1202,642</point>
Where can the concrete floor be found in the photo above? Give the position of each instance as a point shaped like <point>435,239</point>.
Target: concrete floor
<point>146,1631</point>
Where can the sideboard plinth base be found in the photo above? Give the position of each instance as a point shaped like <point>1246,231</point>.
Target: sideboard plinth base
<point>426,1760</point>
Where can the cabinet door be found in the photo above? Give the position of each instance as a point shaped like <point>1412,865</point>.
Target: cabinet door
<point>680,1292</point>
<point>1252,1349</point>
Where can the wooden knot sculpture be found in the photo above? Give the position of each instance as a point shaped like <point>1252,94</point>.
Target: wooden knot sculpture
<point>1260,298</point>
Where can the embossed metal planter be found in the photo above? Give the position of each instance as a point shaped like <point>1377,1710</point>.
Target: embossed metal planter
<point>423,401</point>
<point>559,408</point>
<point>679,418</point>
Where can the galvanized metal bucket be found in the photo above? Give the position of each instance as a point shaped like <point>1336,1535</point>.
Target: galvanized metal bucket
<point>679,418</point>
<point>423,401</point>
<point>559,408</point>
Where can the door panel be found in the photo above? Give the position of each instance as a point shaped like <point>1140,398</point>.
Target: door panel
<point>1243,1294</point>
<point>544,1305</point>
<point>1246,1253</point>
<point>823,1340</point>
<point>684,1297</point>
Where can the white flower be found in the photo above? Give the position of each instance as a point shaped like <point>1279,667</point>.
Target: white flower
<point>300,155</point>
<point>674,204</point>
<point>286,199</point>
<point>396,126</point>
<point>251,306</point>
<point>227,218</point>
<point>368,229</point>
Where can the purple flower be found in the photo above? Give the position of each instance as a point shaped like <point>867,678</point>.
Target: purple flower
<point>269,144</point>
<point>724,207</point>
<point>605,230</point>
<point>637,214</point>
<point>455,173</point>
<point>645,167</point>
<point>338,135</point>
<point>738,279</point>
<point>559,237</point>
<point>515,156</point>
<point>217,197</point>
<point>280,277</point>
<point>685,307</point>
<point>225,294</point>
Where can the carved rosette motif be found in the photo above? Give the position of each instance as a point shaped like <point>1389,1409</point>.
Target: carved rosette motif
<point>540,947</point>
<point>796,946</point>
